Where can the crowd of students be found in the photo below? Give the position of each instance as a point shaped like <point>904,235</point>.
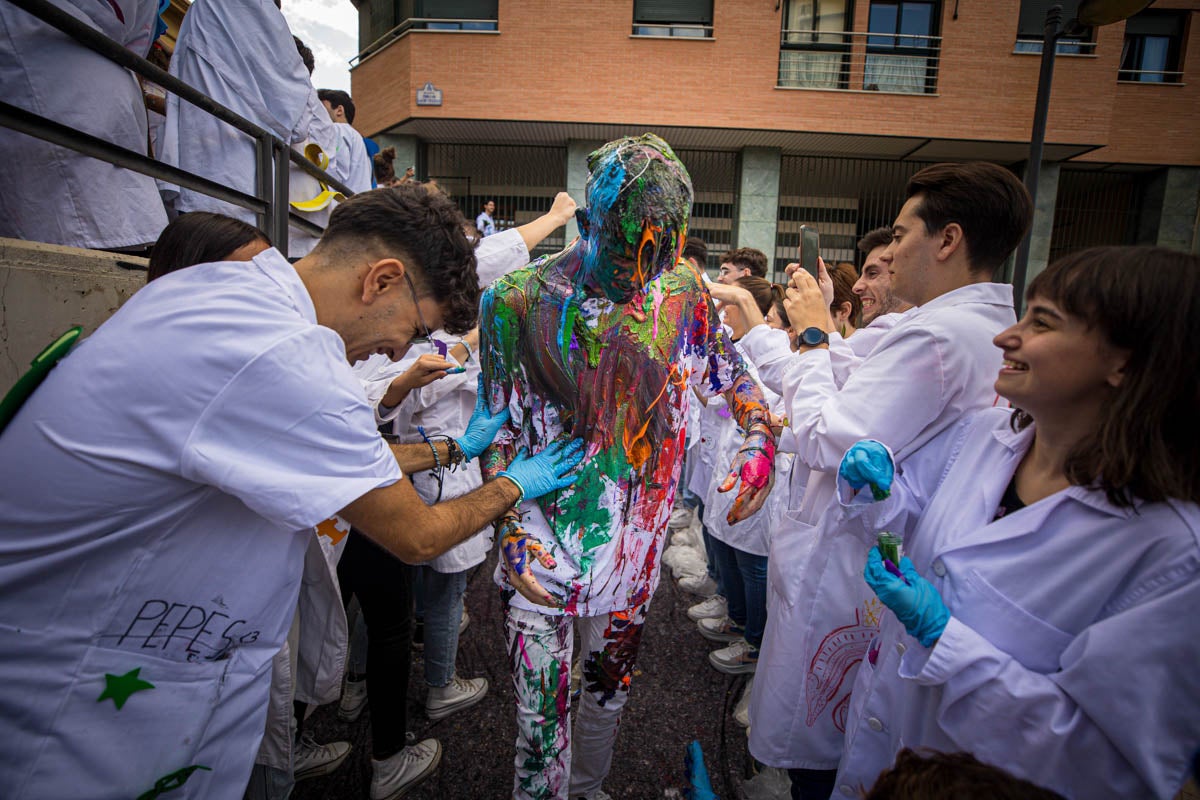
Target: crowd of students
<point>1041,474</point>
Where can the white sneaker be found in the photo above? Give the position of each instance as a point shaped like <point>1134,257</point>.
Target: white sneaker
<point>456,695</point>
<point>737,659</point>
<point>741,712</point>
<point>681,518</point>
<point>599,794</point>
<point>714,607</point>
<point>354,700</point>
<point>394,776</point>
<point>698,584</point>
<point>310,759</point>
<point>720,629</point>
<point>464,621</point>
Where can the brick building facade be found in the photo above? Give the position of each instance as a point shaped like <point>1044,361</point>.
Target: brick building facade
<point>791,112</point>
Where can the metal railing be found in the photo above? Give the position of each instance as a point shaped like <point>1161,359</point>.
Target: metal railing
<point>1065,46</point>
<point>270,199</point>
<point>894,63</point>
<point>657,30</point>
<point>424,24</point>
<point>1158,76</point>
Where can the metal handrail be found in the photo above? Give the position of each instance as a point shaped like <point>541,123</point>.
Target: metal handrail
<point>850,35</point>
<point>411,24</point>
<point>1170,77</point>
<point>893,63</point>
<point>269,202</point>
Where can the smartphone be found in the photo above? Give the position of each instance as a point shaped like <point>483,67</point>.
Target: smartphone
<point>810,247</point>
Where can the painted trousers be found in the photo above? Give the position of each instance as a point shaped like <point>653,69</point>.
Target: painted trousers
<point>549,765</point>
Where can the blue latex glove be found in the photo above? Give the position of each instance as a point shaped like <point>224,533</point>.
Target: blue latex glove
<point>482,427</point>
<point>917,605</point>
<point>546,472</point>
<point>699,786</point>
<point>868,462</point>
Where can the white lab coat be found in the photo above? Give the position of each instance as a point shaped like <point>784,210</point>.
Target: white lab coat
<point>350,161</point>
<point>223,425</point>
<point>53,194</point>
<point>241,53</point>
<point>1070,656</point>
<point>935,365</point>
<point>846,354</point>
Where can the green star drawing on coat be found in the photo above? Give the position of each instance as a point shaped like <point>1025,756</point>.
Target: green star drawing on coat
<point>118,688</point>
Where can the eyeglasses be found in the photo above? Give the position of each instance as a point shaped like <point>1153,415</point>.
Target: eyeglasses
<point>426,337</point>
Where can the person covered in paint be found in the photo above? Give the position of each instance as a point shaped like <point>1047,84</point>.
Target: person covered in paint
<point>602,341</point>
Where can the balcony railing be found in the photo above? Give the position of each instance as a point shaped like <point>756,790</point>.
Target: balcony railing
<point>859,61</point>
<point>1065,47</point>
<point>1150,76</point>
<point>425,24</point>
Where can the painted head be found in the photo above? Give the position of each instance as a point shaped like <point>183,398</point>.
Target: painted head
<point>639,196</point>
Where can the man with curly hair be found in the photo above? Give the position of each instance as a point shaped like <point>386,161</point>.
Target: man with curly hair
<point>156,552</point>
<point>603,341</point>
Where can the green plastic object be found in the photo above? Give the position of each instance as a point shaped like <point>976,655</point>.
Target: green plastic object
<point>37,372</point>
<point>889,547</point>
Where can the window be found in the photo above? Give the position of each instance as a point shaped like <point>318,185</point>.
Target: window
<point>1153,42</point>
<point>902,48</point>
<point>686,18</point>
<point>1031,29</point>
<point>815,44</point>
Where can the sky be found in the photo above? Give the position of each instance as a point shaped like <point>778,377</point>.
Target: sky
<point>330,29</point>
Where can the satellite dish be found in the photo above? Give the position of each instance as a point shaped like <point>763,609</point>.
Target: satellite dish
<point>1094,13</point>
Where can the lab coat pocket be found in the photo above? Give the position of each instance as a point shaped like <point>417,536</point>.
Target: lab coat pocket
<point>791,545</point>
<point>1035,643</point>
<point>135,719</point>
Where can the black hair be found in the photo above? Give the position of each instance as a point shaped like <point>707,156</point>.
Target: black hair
<point>422,228</point>
<point>306,55</point>
<point>199,237</point>
<point>879,237</point>
<point>987,201</point>
<point>747,258</point>
<point>337,97</point>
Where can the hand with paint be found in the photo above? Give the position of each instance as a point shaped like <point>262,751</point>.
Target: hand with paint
<point>911,598</point>
<point>746,312</point>
<point>482,427</point>
<point>754,466</point>
<point>518,547</point>
<point>868,462</point>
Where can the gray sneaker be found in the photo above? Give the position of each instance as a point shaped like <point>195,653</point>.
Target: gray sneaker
<point>458,694</point>
<point>354,699</point>
<point>739,658</point>
<point>310,759</point>
<point>396,775</point>
<point>720,629</point>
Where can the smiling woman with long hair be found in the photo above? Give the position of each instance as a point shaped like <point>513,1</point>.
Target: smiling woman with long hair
<point>1042,616</point>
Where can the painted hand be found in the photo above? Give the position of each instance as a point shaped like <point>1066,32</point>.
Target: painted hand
<point>482,427</point>
<point>754,465</point>
<point>868,462</point>
<point>548,471</point>
<point>518,547</point>
<point>911,598</point>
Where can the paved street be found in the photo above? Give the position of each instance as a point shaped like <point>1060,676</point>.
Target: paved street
<point>677,697</point>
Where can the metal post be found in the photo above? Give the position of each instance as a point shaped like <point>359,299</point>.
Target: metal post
<point>264,187</point>
<point>280,202</point>
<point>1037,140</point>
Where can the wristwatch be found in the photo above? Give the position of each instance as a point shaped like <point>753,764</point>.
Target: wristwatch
<point>813,337</point>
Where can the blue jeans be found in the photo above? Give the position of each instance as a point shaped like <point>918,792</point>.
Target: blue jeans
<point>442,601</point>
<point>744,578</point>
<point>712,570</point>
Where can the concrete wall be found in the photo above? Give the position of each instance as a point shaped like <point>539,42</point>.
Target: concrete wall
<point>46,289</point>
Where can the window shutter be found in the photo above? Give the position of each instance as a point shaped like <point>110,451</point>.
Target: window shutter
<point>457,9</point>
<point>695,12</point>
<point>1033,15</point>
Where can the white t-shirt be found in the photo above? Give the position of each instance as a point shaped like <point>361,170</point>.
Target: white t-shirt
<point>157,492</point>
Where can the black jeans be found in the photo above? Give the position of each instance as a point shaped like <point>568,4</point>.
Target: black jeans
<point>384,587</point>
<point>812,784</point>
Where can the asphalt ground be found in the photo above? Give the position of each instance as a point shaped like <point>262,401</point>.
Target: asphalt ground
<point>676,697</point>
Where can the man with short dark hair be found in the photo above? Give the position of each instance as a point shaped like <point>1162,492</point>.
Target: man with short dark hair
<point>874,285</point>
<point>161,546</point>
<point>350,159</point>
<point>484,222</point>
<point>957,226</point>
<point>742,262</point>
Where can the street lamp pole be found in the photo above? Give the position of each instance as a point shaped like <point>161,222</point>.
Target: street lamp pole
<point>1037,140</point>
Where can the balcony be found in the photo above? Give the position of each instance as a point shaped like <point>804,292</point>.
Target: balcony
<point>852,61</point>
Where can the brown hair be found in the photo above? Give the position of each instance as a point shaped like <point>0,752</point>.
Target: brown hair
<point>987,201</point>
<point>1145,300</point>
<point>695,249</point>
<point>844,276</point>
<point>778,294</point>
<point>879,237</point>
<point>385,168</point>
<point>199,237</point>
<point>747,258</point>
<point>759,289</point>
<point>951,776</point>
